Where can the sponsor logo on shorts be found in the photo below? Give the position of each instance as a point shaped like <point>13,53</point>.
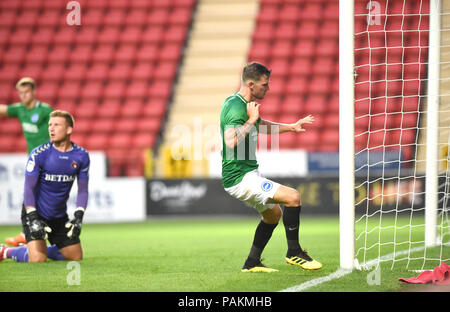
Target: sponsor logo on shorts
<point>266,186</point>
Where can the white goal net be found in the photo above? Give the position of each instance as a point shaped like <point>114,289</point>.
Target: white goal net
<point>401,132</point>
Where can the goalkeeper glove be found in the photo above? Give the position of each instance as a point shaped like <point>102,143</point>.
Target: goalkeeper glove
<point>74,225</point>
<point>38,228</point>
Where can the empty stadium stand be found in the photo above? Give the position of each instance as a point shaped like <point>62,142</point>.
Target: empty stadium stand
<point>114,72</point>
<point>120,69</point>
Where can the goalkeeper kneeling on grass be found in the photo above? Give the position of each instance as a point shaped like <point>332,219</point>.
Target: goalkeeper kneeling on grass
<point>50,172</point>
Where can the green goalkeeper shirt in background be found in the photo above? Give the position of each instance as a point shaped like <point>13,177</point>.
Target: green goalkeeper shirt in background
<point>34,122</point>
<point>241,159</point>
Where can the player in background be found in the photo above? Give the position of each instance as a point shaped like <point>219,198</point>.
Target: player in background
<point>33,116</point>
<point>240,124</point>
<point>50,172</point>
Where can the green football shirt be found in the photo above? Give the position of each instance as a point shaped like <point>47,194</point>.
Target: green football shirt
<point>34,122</point>
<point>241,159</point>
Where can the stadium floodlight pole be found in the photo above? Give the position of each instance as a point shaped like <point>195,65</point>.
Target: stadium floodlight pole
<point>432,138</point>
<point>346,134</point>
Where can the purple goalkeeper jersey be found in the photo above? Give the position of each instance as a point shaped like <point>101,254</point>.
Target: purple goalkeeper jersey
<point>49,177</point>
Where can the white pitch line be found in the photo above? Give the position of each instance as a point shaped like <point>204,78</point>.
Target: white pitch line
<point>338,274</point>
<point>341,272</point>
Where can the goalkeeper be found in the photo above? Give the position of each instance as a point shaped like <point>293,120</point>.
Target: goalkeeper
<point>240,124</point>
<point>50,172</point>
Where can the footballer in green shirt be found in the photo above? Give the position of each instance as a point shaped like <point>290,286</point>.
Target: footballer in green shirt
<point>34,116</point>
<point>240,124</point>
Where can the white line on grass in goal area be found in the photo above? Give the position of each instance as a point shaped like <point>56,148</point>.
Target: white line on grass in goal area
<point>338,274</point>
<point>341,272</point>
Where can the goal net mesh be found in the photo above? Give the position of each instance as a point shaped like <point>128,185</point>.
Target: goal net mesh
<point>391,67</point>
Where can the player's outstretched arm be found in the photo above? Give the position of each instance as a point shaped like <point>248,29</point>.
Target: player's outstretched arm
<point>270,127</point>
<point>3,109</point>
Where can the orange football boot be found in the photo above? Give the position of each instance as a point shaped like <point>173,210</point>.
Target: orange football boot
<point>17,240</point>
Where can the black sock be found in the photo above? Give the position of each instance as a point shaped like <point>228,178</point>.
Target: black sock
<point>262,235</point>
<point>291,221</point>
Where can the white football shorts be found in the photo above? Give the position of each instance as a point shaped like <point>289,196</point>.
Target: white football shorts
<point>255,190</point>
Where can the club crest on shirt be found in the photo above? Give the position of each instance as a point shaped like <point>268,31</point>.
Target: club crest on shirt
<point>74,164</point>
<point>30,165</point>
<point>35,117</point>
<point>266,186</point>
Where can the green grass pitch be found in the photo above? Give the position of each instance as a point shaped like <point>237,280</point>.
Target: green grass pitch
<point>191,255</point>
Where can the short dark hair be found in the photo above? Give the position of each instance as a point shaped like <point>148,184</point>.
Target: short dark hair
<point>69,118</point>
<point>254,71</point>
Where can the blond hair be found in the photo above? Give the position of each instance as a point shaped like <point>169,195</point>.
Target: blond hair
<point>26,81</point>
<point>60,113</point>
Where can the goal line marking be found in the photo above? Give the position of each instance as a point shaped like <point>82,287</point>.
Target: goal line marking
<point>342,272</point>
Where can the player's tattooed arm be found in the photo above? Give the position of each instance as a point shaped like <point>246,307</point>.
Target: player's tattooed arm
<point>235,135</point>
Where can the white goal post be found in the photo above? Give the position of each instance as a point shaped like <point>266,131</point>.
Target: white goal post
<point>393,200</point>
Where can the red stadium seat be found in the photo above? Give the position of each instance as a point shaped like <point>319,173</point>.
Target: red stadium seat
<point>120,140</point>
<point>114,17</point>
<point>125,126</point>
<point>43,36</point>
<point>165,70</point>
<point>69,90</point>
<point>120,71</point>
<point>282,49</point>
<point>132,109</point>
<point>103,54</point>
<point>131,34</point>
<point>86,36</point>
<point>103,125</point>
<point>109,108</point>
<point>93,17</point>
<point>51,18</point>
<point>15,54</point>
<point>286,31</point>
<point>154,108</point>
<point>137,89</point>
<point>175,34</point>
<point>147,53</point>
<point>158,17</point>
<point>83,126</point>
<point>170,52</point>
<point>81,54</point>
<point>149,124</point>
<point>180,16</point>
<point>308,140</point>
<point>142,71</point>
<point>160,89</point>
<point>75,72</point>
<point>125,53</point>
<point>114,89</point>
<point>9,72</point>
<point>97,72</point>
<point>92,90</point>
<point>87,109</point>
<point>144,140</point>
<point>109,35</point>
<point>304,48</point>
<point>59,54</point>
<point>97,142</point>
<point>7,144</point>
